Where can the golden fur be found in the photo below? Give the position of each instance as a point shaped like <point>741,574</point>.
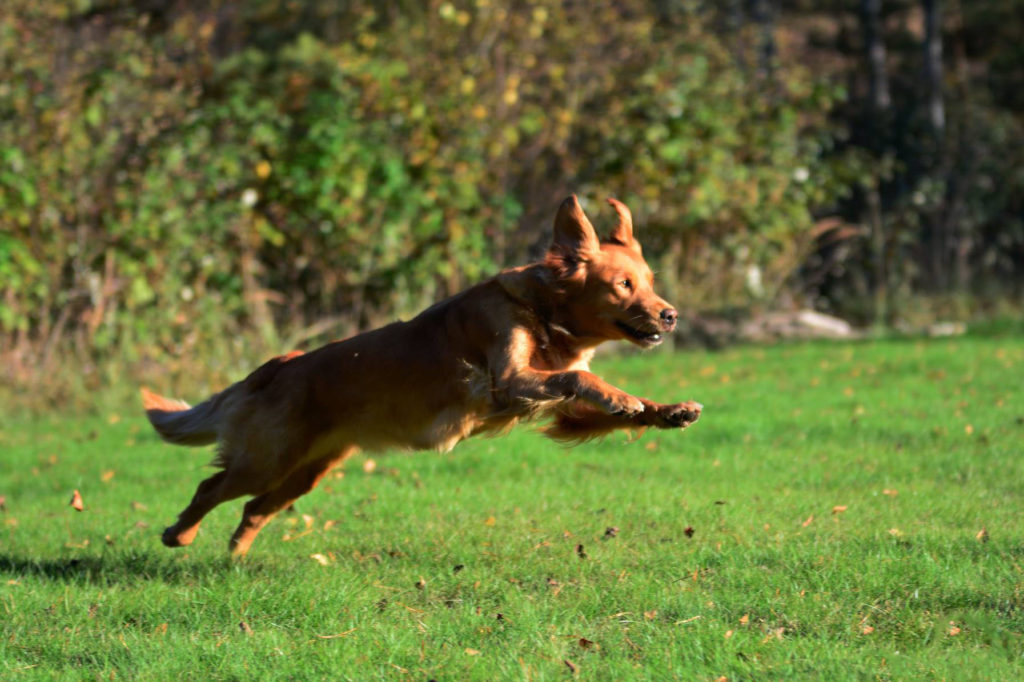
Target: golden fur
<point>512,347</point>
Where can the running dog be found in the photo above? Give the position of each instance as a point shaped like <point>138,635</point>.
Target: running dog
<point>513,347</point>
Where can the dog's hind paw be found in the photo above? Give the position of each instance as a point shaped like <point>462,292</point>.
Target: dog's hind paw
<point>172,537</point>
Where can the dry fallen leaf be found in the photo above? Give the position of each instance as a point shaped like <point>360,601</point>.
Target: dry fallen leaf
<point>744,619</point>
<point>810,519</point>
<point>490,521</point>
<point>839,509</point>
<point>610,532</point>
<point>472,652</point>
<point>421,583</point>
<point>107,475</point>
<point>867,630</point>
<point>573,668</point>
<point>340,634</point>
<point>982,535</point>
<point>589,644</point>
<point>369,466</point>
<point>244,627</point>
<point>890,493</point>
<point>138,506</point>
<point>650,615</point>
<point>953,629</point>
<point>728,634</point>
<point>76,501</point>
<point>319,558</point>
<point>895,532</point>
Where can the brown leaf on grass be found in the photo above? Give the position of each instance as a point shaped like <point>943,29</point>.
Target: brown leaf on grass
<point>244,627</point>
<point>573,668</point>
<point>369,466</point>
<point>580,552</point>
<point>689,531</point>
<point>953,629</point>
<point>809,521</point>
<point>982,535</point>
<point>138,506</point>
<point>610,532</point>
<point>744,619</point>
<point>107,475</point>
<point>866,630</point>
<point>650,615</point>
<point>588,644</point>
<point>472,652</point>
<point>76,501</point>
<point>421,583</point>
<point>340,634</point>
<point>890,493</point>
<point>320,559</point>
<point>839,509</point>
<point>728,634</point>
<point>490,521</point>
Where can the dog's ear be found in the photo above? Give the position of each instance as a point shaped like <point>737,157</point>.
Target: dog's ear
<point>623,232</point>
<point>574,237</point>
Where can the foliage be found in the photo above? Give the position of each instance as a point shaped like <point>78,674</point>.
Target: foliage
<point>176,176</point>
<point>201,182</point>
<point>866,526</point>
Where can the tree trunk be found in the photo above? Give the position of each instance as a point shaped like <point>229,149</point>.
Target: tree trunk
<point>933,63</point>
<point>874,50</point>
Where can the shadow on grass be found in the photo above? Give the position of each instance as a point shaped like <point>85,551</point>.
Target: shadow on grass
<point>125,569</point>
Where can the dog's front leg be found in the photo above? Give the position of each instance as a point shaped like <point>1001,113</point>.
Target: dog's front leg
<point>578,422</point>
<point>532,385</point>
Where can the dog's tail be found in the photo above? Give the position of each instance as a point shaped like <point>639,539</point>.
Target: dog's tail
<point>179,423</point>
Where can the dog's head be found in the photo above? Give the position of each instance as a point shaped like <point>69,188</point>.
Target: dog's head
<point>609,289</point>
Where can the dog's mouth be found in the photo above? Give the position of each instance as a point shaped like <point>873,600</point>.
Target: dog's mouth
<point>644,338</point>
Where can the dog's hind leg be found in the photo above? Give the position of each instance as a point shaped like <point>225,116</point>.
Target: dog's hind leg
<point>260,510</point>
<point>211,492</point>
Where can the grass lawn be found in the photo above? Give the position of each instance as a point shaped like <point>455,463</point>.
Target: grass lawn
<point>840,512</point>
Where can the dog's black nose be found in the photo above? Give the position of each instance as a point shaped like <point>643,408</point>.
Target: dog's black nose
<point>668,318</point>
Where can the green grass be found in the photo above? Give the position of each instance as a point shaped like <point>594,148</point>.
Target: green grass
<point>835,495</point>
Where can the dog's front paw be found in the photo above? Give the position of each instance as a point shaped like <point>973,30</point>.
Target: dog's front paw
<point>680,415</point>
<point>622,405</point>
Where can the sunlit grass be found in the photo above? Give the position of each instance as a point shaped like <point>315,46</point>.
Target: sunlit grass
<point>840,511</point>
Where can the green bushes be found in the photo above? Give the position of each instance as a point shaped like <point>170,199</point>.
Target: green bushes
<point>205,181</point>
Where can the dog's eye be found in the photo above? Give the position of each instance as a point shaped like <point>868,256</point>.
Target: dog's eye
<point>626,283</point>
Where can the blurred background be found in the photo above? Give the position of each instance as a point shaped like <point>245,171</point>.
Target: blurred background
<point>190,186</point>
